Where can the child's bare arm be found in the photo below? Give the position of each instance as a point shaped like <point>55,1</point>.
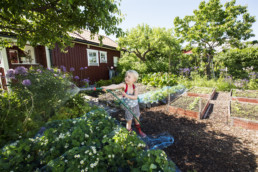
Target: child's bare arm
<point>113,86</point>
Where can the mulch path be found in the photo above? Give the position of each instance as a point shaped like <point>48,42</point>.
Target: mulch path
<point>203,145</point>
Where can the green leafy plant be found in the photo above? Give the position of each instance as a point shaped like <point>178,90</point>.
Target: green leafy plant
<point>92,142</point>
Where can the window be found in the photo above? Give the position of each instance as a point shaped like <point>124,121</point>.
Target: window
<point>17,56</point>
<point>103,56</point>
<point>115,60</point>
<point>28,55</point>
<point>93,59</point>
<point>13,55</point>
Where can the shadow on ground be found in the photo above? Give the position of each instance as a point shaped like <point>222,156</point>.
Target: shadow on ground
<point>196,146</point>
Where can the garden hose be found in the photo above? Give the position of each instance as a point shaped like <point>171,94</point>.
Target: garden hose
<point>95,89</point>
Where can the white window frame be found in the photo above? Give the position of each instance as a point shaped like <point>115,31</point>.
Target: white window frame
<point>105,57</point>
<point>89,58</point>
<point>115,61</point>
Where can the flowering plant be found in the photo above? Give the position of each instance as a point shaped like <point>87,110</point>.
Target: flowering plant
<point>91,143</point>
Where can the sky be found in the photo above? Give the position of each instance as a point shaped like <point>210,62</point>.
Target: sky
<point>161,13</point>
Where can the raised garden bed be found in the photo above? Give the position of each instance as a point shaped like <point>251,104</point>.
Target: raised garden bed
<point>250,96</point>
<point>243,115</point>
<point>204,92</point>
<point>195,107</point>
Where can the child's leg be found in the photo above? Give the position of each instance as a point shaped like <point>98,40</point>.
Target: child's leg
<point>138,128</point>
<point>129,125</point>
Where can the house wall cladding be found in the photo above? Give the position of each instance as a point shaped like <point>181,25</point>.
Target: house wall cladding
<point>77,57</point>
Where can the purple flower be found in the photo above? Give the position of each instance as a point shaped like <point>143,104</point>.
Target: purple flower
<point>72,69</point>
<point>81,68</point>
<point>26,82</point>
<point>58,71</point>
<point>20,70</point>
<point>55,75</point>
<point>85,67</point>
<point>85,80</point>
<point>63,76</point>
<point>39,71</point>
<point>10,74</point>
<point>63,68</point>
<point>76,77</point>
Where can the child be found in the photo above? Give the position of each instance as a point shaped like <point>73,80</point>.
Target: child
<point>130,95</point>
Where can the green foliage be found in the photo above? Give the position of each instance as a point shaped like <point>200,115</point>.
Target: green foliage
<point>115,80</point>
<point>213,25</point>
<point>14,119</point>
<point>90,143</point>
<point>49,23</point>
<point>48,89</point>
<point>158,79</point>
<point>237,59</point>
<point>32,103</point>
<point>75,107</point>
<point>147,49</point>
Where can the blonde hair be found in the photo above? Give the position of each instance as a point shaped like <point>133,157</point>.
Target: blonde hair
<point>134,73</point>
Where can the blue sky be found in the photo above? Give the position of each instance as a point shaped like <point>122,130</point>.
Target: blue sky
<point>161,13</point>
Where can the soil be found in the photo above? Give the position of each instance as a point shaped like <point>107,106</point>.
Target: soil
<point>189,103</point>
<point>210,144</point>
<point>244,110</point>
<point>201,90</point>
<point>245,93</point>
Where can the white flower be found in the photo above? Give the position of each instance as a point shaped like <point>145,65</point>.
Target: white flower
<point>20,137</point>
<point>90,153</point>
<point>86,135</point>
<point>28,156</point>
<point>113,155</point>
<point>82,143</point>
<point>74,122</point>
<point>109,156</point>
<point>81,162</point>
<point>82,170</point>
<point>86,169</point>
<point>66,145</point>
<point>66,160</point>
<point>91,165</point>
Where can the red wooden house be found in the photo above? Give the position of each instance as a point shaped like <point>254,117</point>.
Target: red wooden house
<point>96,60</point>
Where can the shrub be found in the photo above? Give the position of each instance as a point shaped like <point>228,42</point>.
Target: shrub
<point>44,89</point>
<point>158,79</point>
<point>90,143</point>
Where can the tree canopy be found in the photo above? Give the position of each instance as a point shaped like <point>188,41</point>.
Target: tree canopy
<point>148,49</point>
<point>143,39</point>
<point>48,22</point>
<point>213,25</point>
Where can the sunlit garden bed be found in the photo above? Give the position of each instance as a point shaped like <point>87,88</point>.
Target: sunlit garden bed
<point>204,92</point>
<point>244,115</point>
<point>250,96</point>
<point>195,107</point>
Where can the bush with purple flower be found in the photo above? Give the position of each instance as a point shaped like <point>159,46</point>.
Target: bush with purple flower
<point>26,82</point>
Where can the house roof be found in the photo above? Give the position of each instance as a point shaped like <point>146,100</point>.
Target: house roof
<point>85,36</point>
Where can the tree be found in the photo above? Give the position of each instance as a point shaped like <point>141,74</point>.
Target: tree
<point>213,25</point>
<point>143,39</point>
<point>48,22</point>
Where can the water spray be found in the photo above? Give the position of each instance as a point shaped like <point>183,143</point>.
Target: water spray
<point>121,101</point>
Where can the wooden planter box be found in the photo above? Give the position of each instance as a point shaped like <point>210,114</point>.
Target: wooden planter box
<point>203,95</point>
<point>244,99</point>
<point>242,122</point>
<point>203,109</point>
